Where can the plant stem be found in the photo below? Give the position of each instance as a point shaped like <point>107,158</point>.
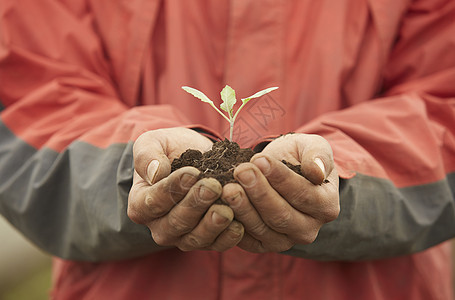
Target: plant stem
<point>231,129</point>
<point>219,111</point>
<point>237,112</point>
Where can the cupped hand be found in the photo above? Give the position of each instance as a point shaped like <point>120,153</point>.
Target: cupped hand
<point>277,207</point>
<point>178,208</point>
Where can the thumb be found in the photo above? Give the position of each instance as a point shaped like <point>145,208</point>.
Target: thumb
<point>150,159</point>
<point>313,169</point>
<point>316,159</point>
<point>312,152</point>
<point>157,169</point>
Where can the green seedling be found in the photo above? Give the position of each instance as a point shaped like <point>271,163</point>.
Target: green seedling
<point>228,98</point>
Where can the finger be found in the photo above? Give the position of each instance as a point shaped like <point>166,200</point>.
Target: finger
<point>316,158</point>
<point>215,231</point>
<point>244,212</point>
<point>150,156</point>
<point>318,201</point>
<point>217,218</point>
<point>146,203</point>
<point>229,238</point>
<point>276,212</point>
<point>250,244</point>
<point>184,216</point>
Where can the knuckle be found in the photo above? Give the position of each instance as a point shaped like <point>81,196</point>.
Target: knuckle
<point>139,153</point>
<point>141,161</point>
<point>307,237</point>
<point>134,215</point>
<point>160,239</point>
<point>178,225</point>
<point>318,139</point>
<point>191,243</point>
<point>331,213</point>
<point>280,220</point>
<point>137,145</point>
<point>300,196</point>
<point>156,207</point>
<point>281,246</point>
<point>184,248</point>
<point>259,229</point>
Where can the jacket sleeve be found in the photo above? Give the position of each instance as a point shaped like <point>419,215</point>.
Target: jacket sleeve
<point>65,137</point>
<point>396,153</point>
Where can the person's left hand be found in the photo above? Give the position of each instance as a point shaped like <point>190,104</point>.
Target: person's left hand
<point>277,207</point>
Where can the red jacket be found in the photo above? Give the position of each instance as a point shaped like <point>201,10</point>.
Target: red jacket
<point>80,80</point>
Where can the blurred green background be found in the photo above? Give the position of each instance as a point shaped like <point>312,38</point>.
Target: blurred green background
<point>25,271</point>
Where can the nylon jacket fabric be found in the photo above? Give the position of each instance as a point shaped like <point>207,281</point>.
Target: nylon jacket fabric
<point>80,80</point>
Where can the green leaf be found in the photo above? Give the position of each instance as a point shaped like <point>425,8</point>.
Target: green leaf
<point>228,97</point>
<point>259,94</point>
<point>223,107</point>
<point>198,94</point>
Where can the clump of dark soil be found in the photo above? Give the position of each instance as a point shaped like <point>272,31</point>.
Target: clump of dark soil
<point>220,161</point>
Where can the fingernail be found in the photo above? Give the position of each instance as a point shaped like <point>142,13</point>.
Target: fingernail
<point>320,164</point>
<point>247,178</point>
<point>263,164</point>
<point>206,193</point>
<point>219,219</point>
<point>236,229</point>
<point>152,170</point>
<point>187,180</point>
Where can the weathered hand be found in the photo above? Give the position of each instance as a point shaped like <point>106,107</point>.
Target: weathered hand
<point>177,208</point>
<point>277,207</point>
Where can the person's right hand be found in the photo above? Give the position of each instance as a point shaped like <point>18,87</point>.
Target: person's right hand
<point>177,208</point>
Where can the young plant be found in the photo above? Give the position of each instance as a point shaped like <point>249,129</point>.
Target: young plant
<point>228,98</point>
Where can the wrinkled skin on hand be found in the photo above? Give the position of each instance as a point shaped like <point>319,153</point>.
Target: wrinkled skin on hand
<point>277,207</point>
<point>178,209</point>
<point>274,208</point>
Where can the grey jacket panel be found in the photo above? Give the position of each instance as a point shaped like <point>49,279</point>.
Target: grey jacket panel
<point>71,204</point>
<point>378,220</point>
